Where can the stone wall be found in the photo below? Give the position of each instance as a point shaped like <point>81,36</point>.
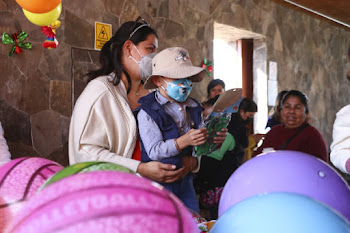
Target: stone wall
<point>37,86</point>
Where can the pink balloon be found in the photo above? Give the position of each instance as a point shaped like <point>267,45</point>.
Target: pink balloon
<point>104,201</point>
<point>19,181</point>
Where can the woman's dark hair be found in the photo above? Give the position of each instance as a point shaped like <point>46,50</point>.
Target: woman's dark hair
<point>213,83</point>
<point>300,95</point>
<point>211,102</point>
<point>110,55</point>
<point>248,105</point>
<point>278,106</point>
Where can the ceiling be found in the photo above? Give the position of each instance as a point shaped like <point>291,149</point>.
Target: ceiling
<point>335,11</point>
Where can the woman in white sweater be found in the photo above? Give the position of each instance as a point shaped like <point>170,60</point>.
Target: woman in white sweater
<point>102,125</point>
<point>5,155</point>
<point>340,147</point>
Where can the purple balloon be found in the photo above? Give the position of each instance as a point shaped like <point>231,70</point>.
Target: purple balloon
<point>287,171</point>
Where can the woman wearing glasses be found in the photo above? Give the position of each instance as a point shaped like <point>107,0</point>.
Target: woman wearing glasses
<point>103,126</point>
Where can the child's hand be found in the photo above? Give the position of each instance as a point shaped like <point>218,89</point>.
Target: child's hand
<point>194,137</point>
<point>220,136</point>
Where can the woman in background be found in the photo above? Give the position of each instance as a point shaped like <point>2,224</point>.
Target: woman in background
<point>215,87</point>
<point>275,118</point>
<point>295,133</point>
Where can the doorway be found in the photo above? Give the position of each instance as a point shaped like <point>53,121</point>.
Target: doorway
<point>240,61</point>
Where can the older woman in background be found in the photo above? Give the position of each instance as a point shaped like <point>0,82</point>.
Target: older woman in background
<point>295,133</point>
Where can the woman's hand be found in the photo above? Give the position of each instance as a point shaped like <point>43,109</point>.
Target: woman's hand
<point>160,172</point>
<point>221,136</point>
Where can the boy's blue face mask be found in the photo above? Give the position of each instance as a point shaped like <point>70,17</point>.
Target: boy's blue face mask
<point>178,89</point>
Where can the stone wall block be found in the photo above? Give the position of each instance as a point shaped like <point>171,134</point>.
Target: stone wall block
<point>81,69</point>
<point>114,7</point>
<point>78,87</point>
<point>201,5</point>
<point>175,10</point>
<point>113,20</point>
<point>163,10</point>
<point>8,23</point>
<point>173,30</point>
<point>213,5</point>
<point>237,18</point>
<point>56,63</point>
<point>76,8</point>
<point>15,123</point>
<point>28,61</point>
<point>46,132</point>
<point>129,11</point>
<point>61,155</point>
<point>149,7</point>
<point>11,81</point>
<point>78,28</point>
<point>18,149</point>
<point>60,97</point>
<point>35,93</point>
<point>94,11</point>
<point>8,5</point>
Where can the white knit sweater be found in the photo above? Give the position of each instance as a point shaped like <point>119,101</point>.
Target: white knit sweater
<point>340,147</point>
<point>103,126</point>
<point>5,155</point>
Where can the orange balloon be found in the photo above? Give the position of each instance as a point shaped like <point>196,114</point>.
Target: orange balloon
<point>38,6</point>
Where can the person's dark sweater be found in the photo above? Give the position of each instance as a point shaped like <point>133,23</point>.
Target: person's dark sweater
<point>309,141</point>
<point>239,131</point>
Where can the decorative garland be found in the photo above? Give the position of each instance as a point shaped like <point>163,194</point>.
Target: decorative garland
<point>16,40</point>
<point>208,66</point>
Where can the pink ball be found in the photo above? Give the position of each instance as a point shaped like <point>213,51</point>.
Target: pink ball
<point>104,201</point>
<point>19,180</point>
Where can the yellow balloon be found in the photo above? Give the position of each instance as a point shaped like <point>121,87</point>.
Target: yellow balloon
<point>44,19</point>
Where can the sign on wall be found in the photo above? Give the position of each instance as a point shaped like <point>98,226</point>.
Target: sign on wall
<point>103,32</point>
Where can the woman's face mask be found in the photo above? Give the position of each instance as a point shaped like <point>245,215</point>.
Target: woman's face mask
<point>145,64</point>
<point>178,89</point>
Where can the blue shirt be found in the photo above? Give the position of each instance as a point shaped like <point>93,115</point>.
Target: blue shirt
<point>151,135</point>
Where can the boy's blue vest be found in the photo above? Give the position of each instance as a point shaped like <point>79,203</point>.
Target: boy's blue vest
<point>167,126</point>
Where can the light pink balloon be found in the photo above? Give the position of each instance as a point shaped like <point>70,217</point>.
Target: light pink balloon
<point>19,181</point>
<point>105,201</point>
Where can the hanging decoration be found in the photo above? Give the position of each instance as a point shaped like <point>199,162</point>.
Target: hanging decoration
<point>16,40</point>
<point>50,32</point>
<point>207,65</point>
<point>45,14</point>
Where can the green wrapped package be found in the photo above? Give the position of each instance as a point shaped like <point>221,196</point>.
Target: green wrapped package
<point>213,124</point>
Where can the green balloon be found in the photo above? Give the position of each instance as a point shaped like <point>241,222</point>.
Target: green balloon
<point>84,167</point>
